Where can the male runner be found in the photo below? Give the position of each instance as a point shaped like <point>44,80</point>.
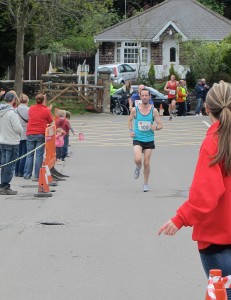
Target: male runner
<point>143,121</point>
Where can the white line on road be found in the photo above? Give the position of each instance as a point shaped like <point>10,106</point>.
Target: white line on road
<point>206,123</point>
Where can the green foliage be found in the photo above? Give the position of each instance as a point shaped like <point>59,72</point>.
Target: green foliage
<point>80,43</point>
<point>152,74</point>
<point>210,60</point>
<point>214,5</point>
<point>172,71</point>
<point>190,78</point>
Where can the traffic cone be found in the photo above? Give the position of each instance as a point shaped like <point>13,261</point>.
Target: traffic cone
<point>43,187</point>
<point>216,289</point>
<point>161,111</point>
<point>49,177</point>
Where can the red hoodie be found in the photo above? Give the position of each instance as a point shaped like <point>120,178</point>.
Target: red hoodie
<point>64,124</point>
<point>208,208</point>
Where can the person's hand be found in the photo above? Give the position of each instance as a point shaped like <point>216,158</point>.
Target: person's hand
<point>169,228</point>
<point>2,92</point>
<point>132,133</point>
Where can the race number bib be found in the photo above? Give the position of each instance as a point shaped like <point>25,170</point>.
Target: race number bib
<point>172,92</point>
<point>138,102</point>
<point>144,126</point>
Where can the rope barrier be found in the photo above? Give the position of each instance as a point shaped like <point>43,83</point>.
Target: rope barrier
<point>11,162</point>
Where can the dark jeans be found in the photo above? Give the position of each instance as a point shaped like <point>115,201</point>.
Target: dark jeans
<point>8,153</point>
<point>65,146</point>
<point>199,105</point>
<point>59,152</point>
<point>217,257</point>
<point>33,141</point>
<point>20,164</point>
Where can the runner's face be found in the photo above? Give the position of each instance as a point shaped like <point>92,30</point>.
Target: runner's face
<point>145,97</point>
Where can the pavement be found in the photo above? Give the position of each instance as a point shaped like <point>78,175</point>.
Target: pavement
<point>96,237</point>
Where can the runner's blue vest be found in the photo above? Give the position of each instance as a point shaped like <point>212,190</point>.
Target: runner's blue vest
<point>142,124</point>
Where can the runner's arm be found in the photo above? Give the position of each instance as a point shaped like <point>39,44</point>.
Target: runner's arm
<point>130,121</point>
<point>166,87</point>
<point>158,123</point>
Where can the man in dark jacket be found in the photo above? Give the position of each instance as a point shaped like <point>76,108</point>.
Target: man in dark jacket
<point>199,96</point>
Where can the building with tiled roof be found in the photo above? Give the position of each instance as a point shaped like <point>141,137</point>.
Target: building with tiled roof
<point>157,34</point>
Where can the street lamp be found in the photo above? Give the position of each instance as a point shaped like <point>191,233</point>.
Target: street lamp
<point>125,9</point>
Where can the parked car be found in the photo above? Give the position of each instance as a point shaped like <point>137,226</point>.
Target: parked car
<point>157,97</point>
<point>120,72</point>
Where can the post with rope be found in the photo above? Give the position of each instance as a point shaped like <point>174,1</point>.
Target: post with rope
<point>45,178</point>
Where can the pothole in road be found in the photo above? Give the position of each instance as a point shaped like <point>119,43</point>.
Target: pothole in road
<point>52,223</point>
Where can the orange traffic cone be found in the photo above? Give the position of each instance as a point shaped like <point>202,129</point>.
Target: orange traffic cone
<point>216,289</point>
<point>43,187</point>
<point>49,176</point>
<point>161,111</point>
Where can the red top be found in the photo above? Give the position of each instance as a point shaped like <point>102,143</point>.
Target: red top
<point>172,86</point>
<point>63,123</point>
<point>39,117</point>
<point>208,208</point>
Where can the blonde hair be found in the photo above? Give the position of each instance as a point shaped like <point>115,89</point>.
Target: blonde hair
<point>218,100</point>
<point>23,98</point>
<point>62,113</point>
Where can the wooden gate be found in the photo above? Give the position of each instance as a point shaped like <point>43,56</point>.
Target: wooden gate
<point>89,96</point>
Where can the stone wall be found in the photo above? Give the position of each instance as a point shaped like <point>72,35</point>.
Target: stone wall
<point>107,53</point>
<point>156,53</point>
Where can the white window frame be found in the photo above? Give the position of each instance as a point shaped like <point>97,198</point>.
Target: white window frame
<point>134,48</point>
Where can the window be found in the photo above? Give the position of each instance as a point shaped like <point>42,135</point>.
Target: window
<point>130,55</point>
<point>118,57</point>
<point>172,54</point>
<point>128,52</point>
<point>144,56</point>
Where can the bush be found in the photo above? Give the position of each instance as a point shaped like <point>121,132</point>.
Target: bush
<point>190,79</point>
<point>172,71</point>
<point>152,75</point>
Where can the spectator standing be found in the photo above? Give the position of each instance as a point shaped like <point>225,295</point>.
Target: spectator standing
<point>39,117</point>
<point>181,98</point>
<point>206,89</point>
<point>62,122</point>
<point>126,92</point>
<point>199,96</point>
<point>10,134</point>
<point>208,207</point>
<point>170,87</point>
<point>22,111</point>
<point>59,142</point>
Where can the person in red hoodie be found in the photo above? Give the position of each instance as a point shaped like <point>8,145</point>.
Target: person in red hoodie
<point>208,208</point>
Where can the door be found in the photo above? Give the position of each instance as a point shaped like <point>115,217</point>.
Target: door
<point>170,52</point>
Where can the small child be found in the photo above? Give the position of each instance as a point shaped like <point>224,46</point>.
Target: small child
<point>59,142</point>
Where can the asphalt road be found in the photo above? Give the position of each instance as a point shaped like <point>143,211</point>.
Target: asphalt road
<point>103,244</point>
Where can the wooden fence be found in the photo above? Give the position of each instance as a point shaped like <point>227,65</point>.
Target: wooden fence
<point>74,94</point>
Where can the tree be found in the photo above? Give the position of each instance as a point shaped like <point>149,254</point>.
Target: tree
<point>209,60</point>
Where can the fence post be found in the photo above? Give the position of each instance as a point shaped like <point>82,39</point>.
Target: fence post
<point>105,76</point>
